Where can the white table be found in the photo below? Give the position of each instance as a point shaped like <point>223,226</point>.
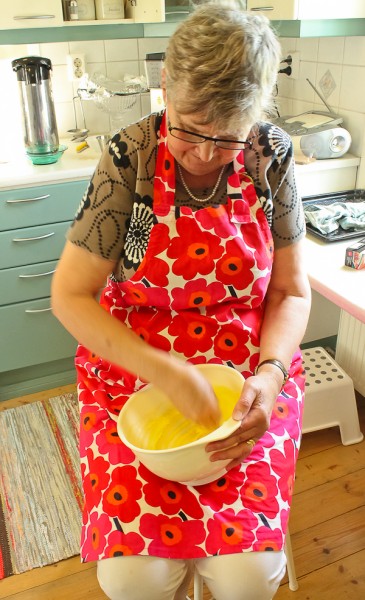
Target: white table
<point>345,287</point>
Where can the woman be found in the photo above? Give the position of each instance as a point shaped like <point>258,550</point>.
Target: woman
<point>193,216</point>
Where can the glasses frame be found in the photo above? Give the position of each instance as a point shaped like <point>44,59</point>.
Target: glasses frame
<point>205,138</point>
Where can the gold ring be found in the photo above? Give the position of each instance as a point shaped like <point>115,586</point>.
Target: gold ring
<point>251,443</point>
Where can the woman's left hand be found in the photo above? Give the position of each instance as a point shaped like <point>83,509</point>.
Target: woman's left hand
<point>254,410</point>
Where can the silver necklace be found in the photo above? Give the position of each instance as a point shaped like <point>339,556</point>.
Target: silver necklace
<point>192,195</point>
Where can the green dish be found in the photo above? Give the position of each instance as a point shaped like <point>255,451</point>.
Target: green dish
<point>48,157</point>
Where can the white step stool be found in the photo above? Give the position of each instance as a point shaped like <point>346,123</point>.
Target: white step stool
<point>329,397</point>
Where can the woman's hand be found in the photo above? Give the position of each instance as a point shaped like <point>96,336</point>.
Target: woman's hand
<point>254,410</point>
<point>192,395</point>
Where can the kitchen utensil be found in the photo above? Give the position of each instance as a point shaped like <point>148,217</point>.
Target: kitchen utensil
<point>78,132</point>
<point>38,112</point>
<point>97,143</point>
<point>114,97</point>
<point>148,410</point>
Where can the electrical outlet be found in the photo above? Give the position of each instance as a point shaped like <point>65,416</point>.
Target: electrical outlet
<point>294,57</point>
<point>75,66</point>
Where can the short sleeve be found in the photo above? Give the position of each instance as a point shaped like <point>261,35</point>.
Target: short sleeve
<point>270,163</point>
<point>125,171</point>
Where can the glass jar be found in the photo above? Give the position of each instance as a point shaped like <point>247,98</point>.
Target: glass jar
<point>109,9</point>
<point>86,10</point>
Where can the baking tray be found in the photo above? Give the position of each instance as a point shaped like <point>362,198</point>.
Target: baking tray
<point>328,199</point>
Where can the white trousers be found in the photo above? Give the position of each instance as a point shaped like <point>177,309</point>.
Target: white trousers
<point>246,576</point>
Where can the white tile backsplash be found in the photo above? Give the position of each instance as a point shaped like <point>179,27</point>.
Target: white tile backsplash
<point>121,50</point>
<point>331,49</point>
<point>94,50</point>
<point>344,58</point>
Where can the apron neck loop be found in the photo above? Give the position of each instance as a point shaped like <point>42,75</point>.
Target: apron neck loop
<point>164,181</point>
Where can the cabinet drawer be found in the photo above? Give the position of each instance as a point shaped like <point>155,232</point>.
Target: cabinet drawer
<point>26,283</point>
<point>33,335</point>
<point>275,9</point>
<point>38,13</point>
<point>32,245</point>
<point>39,205</point>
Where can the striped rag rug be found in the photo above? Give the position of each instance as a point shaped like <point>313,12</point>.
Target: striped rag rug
<point>40,484</point>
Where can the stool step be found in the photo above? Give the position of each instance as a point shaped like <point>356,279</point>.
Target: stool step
<point>329,397</point>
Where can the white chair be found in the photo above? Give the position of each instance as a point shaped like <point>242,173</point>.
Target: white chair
<point>329,397</point>
<point>293,582</point>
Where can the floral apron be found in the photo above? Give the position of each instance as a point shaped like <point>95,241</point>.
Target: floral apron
<point>199,294</point>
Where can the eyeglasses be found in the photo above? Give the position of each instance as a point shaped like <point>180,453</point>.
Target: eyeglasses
<point>197,138</point>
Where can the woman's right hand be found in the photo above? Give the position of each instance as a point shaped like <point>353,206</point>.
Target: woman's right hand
<point>193,396</point>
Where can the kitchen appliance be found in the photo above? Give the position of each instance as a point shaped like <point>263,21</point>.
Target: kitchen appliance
<point>316,133</point>
<point>38,111</point>
<point>153,65</point>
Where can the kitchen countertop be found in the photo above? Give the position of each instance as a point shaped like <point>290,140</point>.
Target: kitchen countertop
<point>329,276</point>
<point>73,166</point>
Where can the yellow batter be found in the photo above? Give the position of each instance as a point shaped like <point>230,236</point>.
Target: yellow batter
<point>171,429</point>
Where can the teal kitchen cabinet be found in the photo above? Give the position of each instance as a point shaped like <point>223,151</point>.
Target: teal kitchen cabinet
<point>36,351</point>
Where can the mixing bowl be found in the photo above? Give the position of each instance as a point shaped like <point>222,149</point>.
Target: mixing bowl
<point>172,446</point>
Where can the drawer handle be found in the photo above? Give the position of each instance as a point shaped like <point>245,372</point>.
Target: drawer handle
<point>33,311</point>
<point>262,8</point>
<point>37,275</point>
<point>32,239</point>
<point>20,17</point>
<point>28,199</point>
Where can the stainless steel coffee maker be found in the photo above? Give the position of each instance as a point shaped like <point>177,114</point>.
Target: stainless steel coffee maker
<point>39,118</point>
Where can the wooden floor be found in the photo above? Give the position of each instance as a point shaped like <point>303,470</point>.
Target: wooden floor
<point>327,527</point>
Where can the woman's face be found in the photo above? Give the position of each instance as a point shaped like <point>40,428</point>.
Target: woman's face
<point>204,158</point>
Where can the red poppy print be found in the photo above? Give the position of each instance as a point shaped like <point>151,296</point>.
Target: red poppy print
<point>110,444</point>
<point>96,479</point>
<point>224,490</point>
<point>216,218</point>
<point>197,293</point>
<point>137,294</point>
<point>248,190</point>
<point>173,537</point>
<point>147,323</point>
<point>234,268</point>
<point>282,417</point>
<point>268,540</point>
<point>90,418</point>
<point>230,532</point>
<point>260,489</point>
<point>162,197</point>
<point>283,464</point>
<point>193,333</point>
<point>194,251</point>
<point>120,544</point>
<point>152,267</point>
<point>165,167</point>
<point>123,492</point>
<point>230,343</point>
<point>169,496</point>
<point>95,534</point>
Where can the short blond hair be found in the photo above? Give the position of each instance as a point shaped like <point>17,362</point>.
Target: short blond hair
<point>223,62</point>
